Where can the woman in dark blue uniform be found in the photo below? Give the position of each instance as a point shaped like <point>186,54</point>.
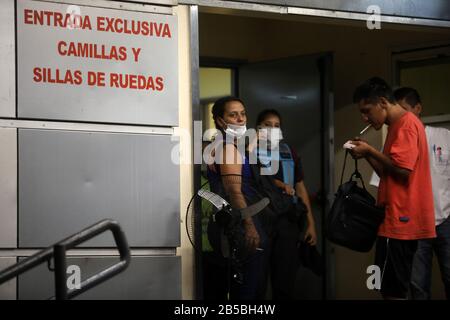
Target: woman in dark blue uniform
<point>231,177</point>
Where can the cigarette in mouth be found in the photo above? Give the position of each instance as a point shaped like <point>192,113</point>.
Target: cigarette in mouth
<point>365,129</point>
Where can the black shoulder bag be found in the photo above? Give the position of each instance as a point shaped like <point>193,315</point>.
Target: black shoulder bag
<point>354,218</point>
<point>280,203</point>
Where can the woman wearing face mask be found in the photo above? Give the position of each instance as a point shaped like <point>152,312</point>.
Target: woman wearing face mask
<point>231,177</point>
<point>288,177</point>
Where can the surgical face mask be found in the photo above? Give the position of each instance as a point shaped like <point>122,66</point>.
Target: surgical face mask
<point>273,136</point>
<point>235,130</point>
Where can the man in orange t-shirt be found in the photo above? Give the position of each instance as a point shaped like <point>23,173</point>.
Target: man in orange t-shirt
<point>405,184</point>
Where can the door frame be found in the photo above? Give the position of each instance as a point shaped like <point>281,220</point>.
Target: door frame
<point>328,100</point>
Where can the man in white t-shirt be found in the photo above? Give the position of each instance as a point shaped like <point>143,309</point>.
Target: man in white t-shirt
<point>439,153</point>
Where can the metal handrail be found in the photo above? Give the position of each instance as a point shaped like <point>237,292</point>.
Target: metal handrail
<point>58,252</point>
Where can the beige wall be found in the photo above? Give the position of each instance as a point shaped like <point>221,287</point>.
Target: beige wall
<point>358,54</point>
<point>433,83</point>
<point>214,83</point>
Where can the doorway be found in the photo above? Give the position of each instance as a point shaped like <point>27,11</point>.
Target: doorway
<point>261,39</point>
<point>297,87</point>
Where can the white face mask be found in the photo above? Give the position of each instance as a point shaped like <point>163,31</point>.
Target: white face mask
<point>235,130</point>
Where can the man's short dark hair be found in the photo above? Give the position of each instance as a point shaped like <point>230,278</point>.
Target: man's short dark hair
<point>372,90</point>
<point>410,95</point>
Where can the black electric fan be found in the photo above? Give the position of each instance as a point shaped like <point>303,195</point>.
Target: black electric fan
<point>205,206</point>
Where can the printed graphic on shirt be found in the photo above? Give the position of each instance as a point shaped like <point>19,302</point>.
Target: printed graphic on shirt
<point>440,155</point>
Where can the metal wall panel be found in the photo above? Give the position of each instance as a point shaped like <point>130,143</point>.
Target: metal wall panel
<point>8,188</point>
<point>146,278</point>
<point>69,180</point>
<point>431,9</point>
<point>7,289</point>
<point>7,60</point>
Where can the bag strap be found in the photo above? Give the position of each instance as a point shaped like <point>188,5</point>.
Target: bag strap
<point>358,175</point>
<point>355,174</point>
<point>343,168</point>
